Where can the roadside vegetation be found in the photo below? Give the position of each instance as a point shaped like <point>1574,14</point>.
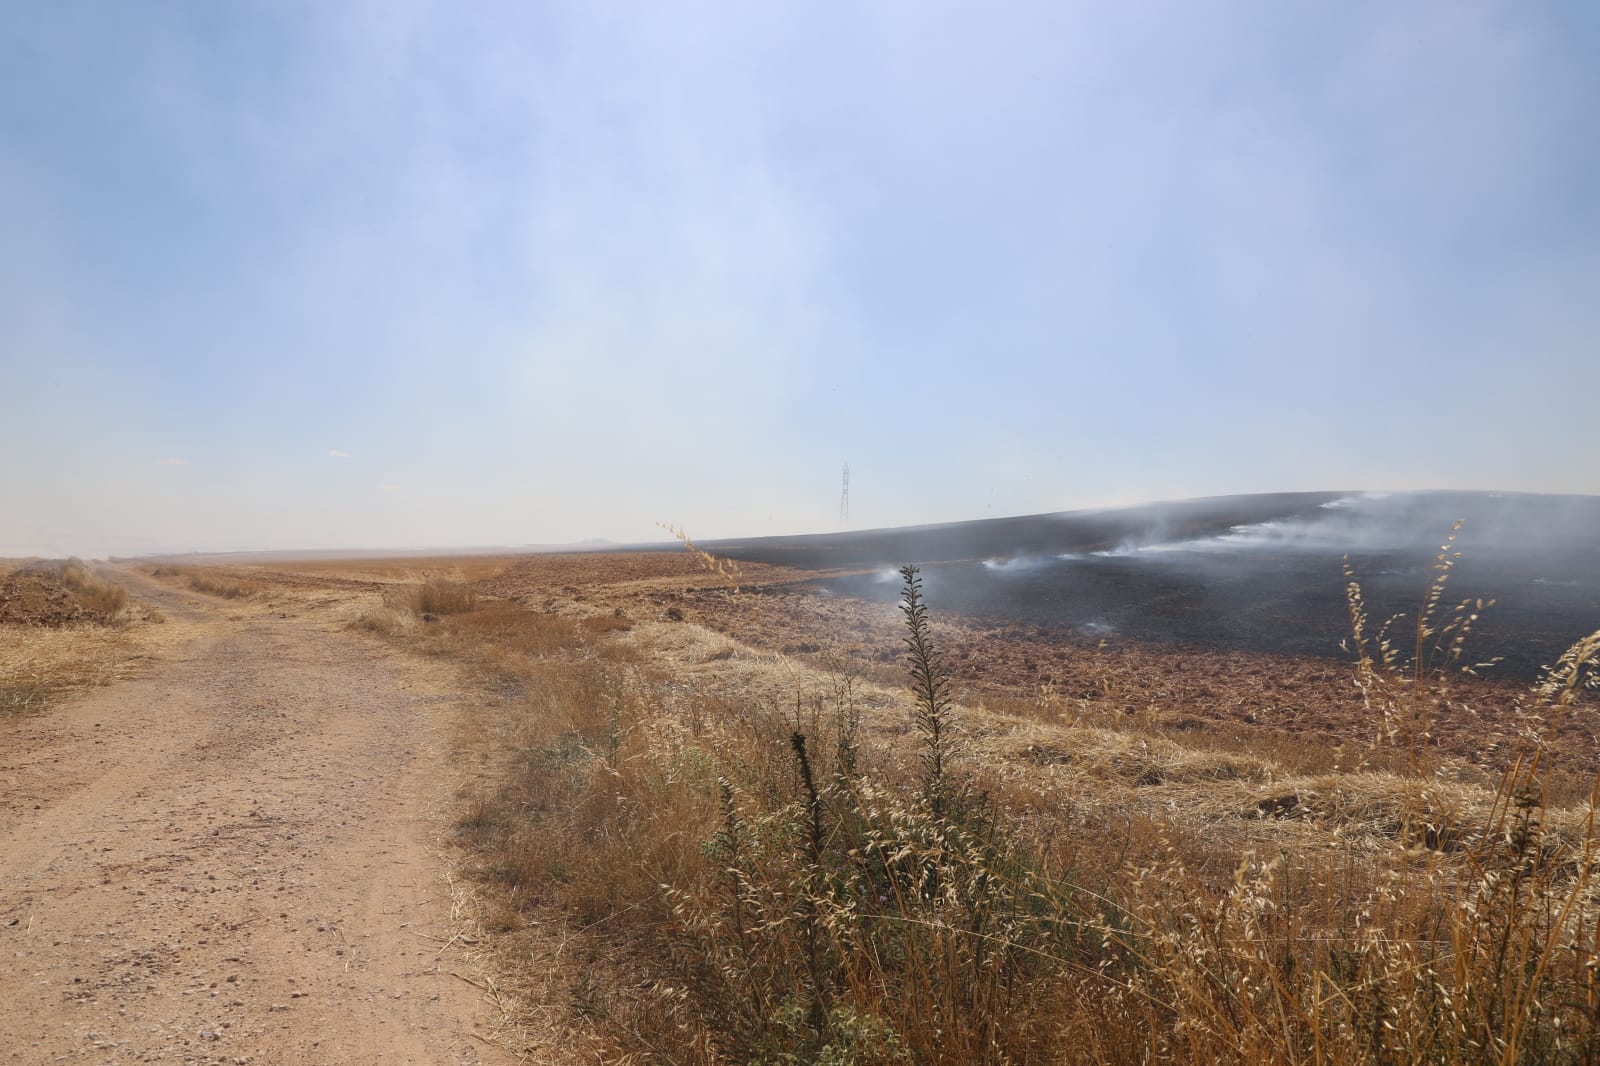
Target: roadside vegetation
<point>63,629</point>
<point>690,851</point>
<point>53,593</point>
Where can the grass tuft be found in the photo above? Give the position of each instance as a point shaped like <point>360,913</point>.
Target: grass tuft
<point>441,595</point>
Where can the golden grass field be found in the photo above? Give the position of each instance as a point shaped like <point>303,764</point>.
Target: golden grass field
<point>705,826</point>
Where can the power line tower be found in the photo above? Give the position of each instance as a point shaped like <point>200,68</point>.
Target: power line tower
<point>844,498</point>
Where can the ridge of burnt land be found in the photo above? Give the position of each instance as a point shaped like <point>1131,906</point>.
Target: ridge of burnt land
<point>1260,573</point>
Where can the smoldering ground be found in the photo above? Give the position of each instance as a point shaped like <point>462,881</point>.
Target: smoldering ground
<point>1263,573</point>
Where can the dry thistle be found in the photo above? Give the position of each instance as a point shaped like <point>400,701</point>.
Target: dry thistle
<point>930,684</point>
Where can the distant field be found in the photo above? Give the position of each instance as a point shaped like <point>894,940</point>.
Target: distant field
<point>465,567</point>
<point>384,568</point>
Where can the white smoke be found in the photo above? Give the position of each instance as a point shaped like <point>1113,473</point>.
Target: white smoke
<point>1349,523</point>
<point>1018,564</point>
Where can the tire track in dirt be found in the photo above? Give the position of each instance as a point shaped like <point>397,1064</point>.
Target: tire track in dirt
<point>228,859</point>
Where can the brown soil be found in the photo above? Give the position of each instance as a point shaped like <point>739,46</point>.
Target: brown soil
<point>230,858</point>
<point>34,595</point>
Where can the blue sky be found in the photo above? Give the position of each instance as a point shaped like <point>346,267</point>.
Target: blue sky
<point>403,274</point>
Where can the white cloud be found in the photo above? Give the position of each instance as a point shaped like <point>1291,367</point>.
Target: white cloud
<point>337,454</point>
<point>174,462</point>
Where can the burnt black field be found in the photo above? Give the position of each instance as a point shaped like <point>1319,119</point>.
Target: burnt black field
<point>1262,573</point>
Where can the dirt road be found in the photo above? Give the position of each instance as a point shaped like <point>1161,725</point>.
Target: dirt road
<point>230,859</point>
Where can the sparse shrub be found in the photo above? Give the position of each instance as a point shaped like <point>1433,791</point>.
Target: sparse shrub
<point>441,595</point>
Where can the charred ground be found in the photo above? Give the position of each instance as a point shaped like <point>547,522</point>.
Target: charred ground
<point>1254,573</point>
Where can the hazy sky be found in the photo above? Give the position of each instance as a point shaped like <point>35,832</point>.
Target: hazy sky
<point>307,274</point>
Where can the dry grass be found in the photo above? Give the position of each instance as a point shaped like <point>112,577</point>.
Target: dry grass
<point>72,631</point>
<point>504,641</point>
<point>220,583</point>
<point>691,850</point>
<point>39,666</point>
<point>95,593</point>
<point>440,595</point>
<point>230,584</point>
